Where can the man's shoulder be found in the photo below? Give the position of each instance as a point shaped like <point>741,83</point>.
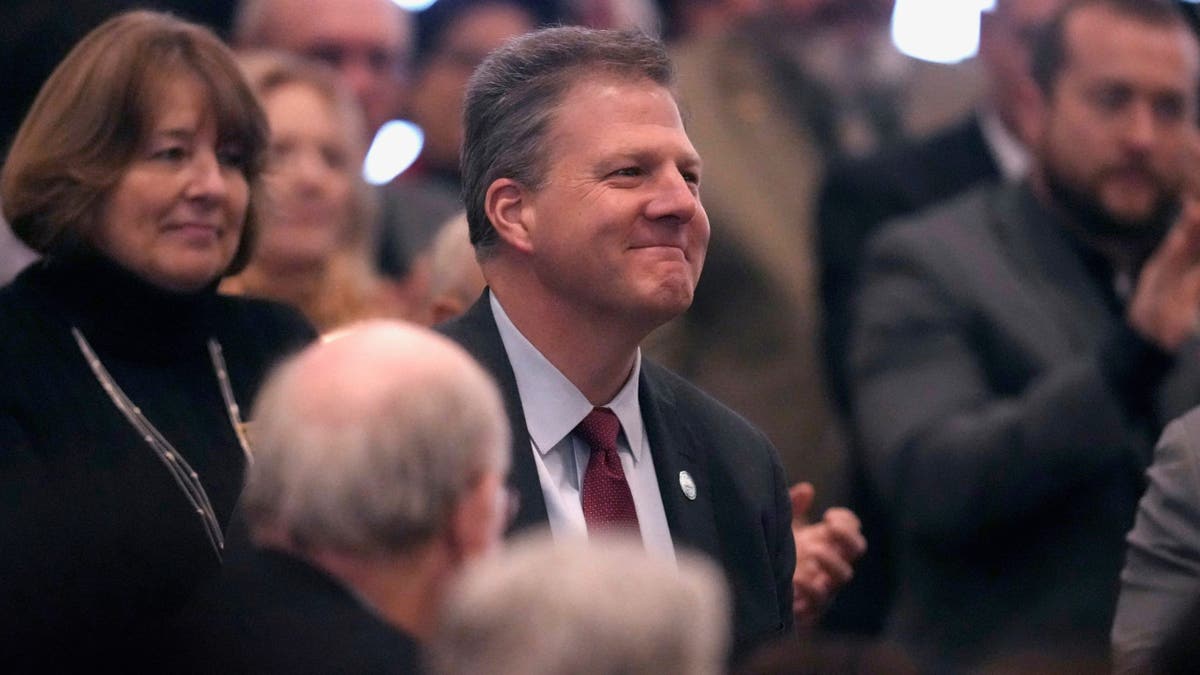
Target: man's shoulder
<point>269,612</point>
<point>1182,436</point>
<point>964,220</point>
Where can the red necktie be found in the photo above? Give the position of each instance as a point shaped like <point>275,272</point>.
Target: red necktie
<point>607,501</point>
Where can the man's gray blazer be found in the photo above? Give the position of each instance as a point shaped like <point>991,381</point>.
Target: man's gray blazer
<point>1161,579</point>
<point>1006,414</point>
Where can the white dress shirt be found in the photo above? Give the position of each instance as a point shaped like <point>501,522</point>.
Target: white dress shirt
<point>553,407</point>
<point>1007,150</point>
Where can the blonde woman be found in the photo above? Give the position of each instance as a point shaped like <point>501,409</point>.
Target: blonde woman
<point>313,246</point>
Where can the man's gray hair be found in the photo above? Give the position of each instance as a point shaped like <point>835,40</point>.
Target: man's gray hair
<point>512,96</point>
<point>574,606</point>
<point>366,443</point>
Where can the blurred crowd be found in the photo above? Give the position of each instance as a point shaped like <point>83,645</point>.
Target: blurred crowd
<point>961,302</point>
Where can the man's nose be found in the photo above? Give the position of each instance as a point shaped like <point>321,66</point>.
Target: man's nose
<point>309,169</point>
<point>1141,128</point>
<point>674,197</point>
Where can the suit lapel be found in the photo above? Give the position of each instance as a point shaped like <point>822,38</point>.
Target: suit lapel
<point>675,449</point>
<point>1038,245</point>
<point>476,331</point>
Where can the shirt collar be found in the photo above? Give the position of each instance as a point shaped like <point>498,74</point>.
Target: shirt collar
<point>1010,153</point>
<point>552,405</point>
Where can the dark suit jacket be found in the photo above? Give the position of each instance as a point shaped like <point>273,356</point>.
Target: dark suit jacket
<point>857,198</point>
<point>1007,414</point>
<point>741,516</point>
<point>860,195</point>
<point>270,612</point>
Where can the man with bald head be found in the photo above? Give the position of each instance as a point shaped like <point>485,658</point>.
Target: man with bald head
<point>369,42</point>
<point>365,497</point>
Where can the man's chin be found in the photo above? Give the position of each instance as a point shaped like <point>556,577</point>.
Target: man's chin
<point>668,302</point>
<point>1116,213</point>
<point>1138,220</point>
<point>1132,211</point>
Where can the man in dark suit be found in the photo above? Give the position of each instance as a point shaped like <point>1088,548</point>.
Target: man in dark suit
<point>582,194</point>
<point>859,195</point>
<point>1018,349</point>
<point>365,497</point>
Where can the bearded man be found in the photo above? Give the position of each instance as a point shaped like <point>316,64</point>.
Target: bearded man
<point>1017,350</point>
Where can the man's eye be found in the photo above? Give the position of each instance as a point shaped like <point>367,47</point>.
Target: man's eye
<point>1111,99</point>
<point>171,153</point>
<point>1169,109</point>
<point>629,171</point>
<point>380,61</point>
<point>330,55</point>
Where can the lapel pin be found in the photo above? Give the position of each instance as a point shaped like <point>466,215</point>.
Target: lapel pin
<point>687,485</point>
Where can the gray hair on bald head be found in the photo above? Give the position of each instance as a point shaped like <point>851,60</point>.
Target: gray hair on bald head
<point>603,606</point>
<point>366,443</point>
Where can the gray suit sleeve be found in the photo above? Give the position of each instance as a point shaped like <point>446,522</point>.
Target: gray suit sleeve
<point>961,423</point>
<point>1161,578</point>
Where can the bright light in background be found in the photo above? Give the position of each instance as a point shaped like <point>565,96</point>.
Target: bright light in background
<point>414,5</point>
<point>943,31</point>
<point>394,149</point>
<point>398,143</point>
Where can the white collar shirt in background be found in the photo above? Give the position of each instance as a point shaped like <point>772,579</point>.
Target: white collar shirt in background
<point>1007,150</point>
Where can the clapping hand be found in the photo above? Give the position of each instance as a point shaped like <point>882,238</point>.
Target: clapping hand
<point>825,554</point>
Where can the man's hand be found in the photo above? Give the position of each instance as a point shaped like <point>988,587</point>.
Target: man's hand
<point>825,553</point>
<point>1165,308</point>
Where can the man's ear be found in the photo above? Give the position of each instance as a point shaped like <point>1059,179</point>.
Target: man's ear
<point>473,526</point>
<point>506,205</point>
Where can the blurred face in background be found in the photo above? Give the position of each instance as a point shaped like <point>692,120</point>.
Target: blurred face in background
<point>176,215</point>
<point>1118,121</point>
<point>437,98</point>
<point>310,177</point>
<point>368,42</point>
<point>845,45</point>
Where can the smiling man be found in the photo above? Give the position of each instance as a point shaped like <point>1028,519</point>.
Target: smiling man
<point>582,193</point>
<point>1018,349</point>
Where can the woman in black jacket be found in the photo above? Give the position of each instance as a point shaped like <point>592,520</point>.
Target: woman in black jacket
<point>122,372</point>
